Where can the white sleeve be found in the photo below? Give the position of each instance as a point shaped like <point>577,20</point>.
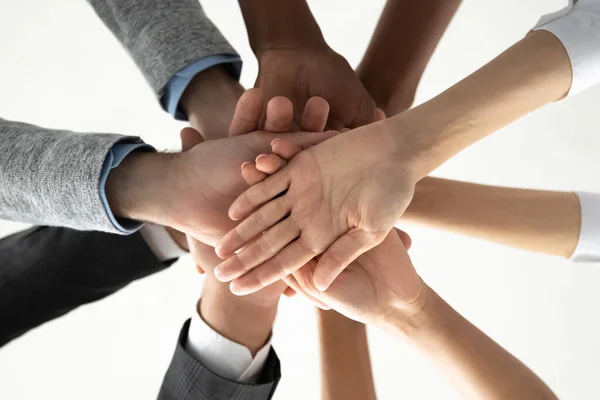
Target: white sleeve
<point>160,242</point>
<point>223,356</point>
<point>588,247</point>
<point>578,28</point>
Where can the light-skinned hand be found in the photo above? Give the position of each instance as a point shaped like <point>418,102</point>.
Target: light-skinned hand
<point>381,281</point>
<point>341,197</point>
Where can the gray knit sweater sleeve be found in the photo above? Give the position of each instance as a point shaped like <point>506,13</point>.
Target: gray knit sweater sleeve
<point>162,36</point>
<point>51,177</point>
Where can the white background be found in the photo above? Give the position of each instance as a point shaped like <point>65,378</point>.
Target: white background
<point>60,68</point>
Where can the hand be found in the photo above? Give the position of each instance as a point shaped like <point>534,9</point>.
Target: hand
<point>301,73</point>
<point>349,190</point>
<point>295,62</point>
<point>191,191</point>
<point>381,281</point>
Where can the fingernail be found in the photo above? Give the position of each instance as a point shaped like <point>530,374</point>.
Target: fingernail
<point>245,164</point>
<point>274,141</point>
<point>259,157</point>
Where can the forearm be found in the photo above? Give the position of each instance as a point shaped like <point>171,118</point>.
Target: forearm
<point>402,44</point>
<point>536,220</point>
<point>345,363</point>
<point>275,24</point>
<point>472,362</point>
<point>530,74</point>
<point>210,100</point>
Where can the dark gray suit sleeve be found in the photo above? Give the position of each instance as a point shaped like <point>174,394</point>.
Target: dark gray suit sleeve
<point>47,272</point>
<point>162,36</point>
<point>187,379</point>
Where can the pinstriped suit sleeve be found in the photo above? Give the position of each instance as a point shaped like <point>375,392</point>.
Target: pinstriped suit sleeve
<point>187,379</point>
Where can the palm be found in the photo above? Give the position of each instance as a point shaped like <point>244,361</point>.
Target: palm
<point>302,74</point>
<point>379,277</point>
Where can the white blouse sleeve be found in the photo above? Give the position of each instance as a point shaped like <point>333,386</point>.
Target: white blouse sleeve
<point>588,247</point>
<point>578,28</point>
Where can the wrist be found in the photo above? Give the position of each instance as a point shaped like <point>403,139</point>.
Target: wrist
<point>394,95</point>
<point>429,315</point>
<point>210,100</point>
<point>237,318</point>
<point>331,321</point>
<point>279,25</point>
<point>133,188</point>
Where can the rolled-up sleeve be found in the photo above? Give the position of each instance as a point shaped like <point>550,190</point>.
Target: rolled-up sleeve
<point>578,28</point>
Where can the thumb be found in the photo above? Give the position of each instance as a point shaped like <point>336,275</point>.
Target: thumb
<point>190,138</point>
<point>341,254</point>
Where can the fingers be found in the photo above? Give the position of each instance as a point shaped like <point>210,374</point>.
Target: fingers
<point>190,138</point>
<point>285,148</point>
<point>380,114</point>
<point>315,115</point>
<point>405,238</point>
<point>263,219</point>
<point>289,259</point>
<point>366,113</point>
<point>293,284</point>
<point>341,253</point>
<point>269,163</point>
<point>251,174</point>
<point>280,115</point>
<point>247,113</point>
<point>259,251</point>
<point>255,196</point>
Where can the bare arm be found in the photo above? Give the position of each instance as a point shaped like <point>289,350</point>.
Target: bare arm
<point>533,72</point>
<point>466,357</point>
<point>345,364</point>
<point>403,42</point>
<point>536,220</point>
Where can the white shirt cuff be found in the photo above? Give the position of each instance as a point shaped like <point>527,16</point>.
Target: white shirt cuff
<point>578,28</point>
<point>161,243</point>
<point>588,247</point>
<point>223,356</point>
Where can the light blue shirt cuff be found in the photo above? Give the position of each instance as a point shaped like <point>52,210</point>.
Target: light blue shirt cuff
<point>114,157</point>
<point>180,81</point>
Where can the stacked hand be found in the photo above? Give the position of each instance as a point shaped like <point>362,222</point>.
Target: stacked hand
<point>301,73</point>
<point>341,197</point>
<point>380,282</point>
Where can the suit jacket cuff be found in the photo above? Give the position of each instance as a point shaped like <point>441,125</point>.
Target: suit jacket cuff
<point>113,159</point>
<point>188,379</point>
<point>180,81</point>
